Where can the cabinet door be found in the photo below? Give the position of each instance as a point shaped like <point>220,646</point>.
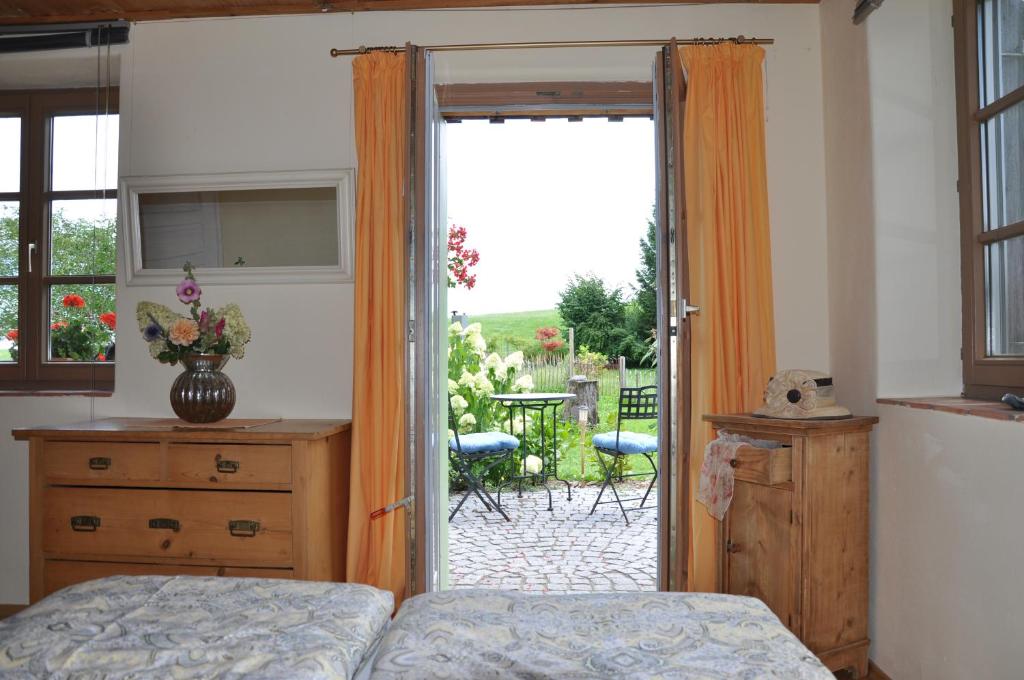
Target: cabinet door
<point>761,548</point>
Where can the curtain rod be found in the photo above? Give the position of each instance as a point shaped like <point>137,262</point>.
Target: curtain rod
<point>739,40</point>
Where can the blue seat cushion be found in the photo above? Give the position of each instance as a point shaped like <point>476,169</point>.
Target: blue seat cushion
<point>484,442</point>
<point>629,442</point>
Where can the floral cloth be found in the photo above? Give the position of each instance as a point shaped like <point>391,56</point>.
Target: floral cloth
<point>478,634</point>
<point>196,627</point>
<point>717,477</point>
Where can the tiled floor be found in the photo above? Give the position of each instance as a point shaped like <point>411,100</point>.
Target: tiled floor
<point>559,551</point>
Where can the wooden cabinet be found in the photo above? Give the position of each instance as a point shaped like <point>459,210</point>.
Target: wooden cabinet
<point>140,496</point>
<point>796,533</point>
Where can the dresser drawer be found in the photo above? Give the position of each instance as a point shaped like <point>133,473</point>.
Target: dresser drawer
<point>231,526</point>
<point>101,462</point>
<point>764,466</point>
<point>63,573</point>
<point>230,464</point>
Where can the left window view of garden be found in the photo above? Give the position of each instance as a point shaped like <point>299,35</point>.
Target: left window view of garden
<point>58,208</point>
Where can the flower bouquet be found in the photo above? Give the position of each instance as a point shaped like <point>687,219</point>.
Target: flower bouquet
<point>202,341</point>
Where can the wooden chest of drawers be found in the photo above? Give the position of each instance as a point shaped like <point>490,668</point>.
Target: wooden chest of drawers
<point>139,496</point>
<point>796,532</point>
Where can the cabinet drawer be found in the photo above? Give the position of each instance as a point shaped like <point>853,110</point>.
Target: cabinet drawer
<point>229,464</point>
<point>63,573</point>
<point>193,525</point>
<point>101,461</point>
<point>764,466</point>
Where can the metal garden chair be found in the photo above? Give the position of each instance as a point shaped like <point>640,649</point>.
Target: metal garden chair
<point>635,403</point>
<point>465,450</point>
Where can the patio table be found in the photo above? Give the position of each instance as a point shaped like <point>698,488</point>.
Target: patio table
<point>538,403</point>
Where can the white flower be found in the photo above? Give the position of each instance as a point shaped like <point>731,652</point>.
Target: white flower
<point>474,329</point>
<point>467,422</point>
<point>459,403</point>
<point>482,386</point>
<point>524,383</point>
<point>454,329</point>
<point>466,379</point>
<point>494,362</point>
<point>517,424</point>
<point>533,464</point>
<point>452,386</point>
<point>514,360</point>
<point>477,342</point>
<point>451,434</point>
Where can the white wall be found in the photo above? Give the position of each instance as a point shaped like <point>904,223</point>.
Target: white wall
<point>224,95</point>
<point>944,510</point>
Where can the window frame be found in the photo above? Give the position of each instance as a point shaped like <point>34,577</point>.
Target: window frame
<point>34,371</point>
<point>985,377</point>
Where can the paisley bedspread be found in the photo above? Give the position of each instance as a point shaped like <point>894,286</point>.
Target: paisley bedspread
<point>196,627</point>
<point>478,634</point>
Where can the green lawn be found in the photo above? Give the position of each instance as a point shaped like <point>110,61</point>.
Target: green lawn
<point>516,324</point>
<point>5,355</point>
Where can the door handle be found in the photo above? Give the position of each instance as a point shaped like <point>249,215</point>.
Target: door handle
<point>686,309</point>
<point>31,248</point>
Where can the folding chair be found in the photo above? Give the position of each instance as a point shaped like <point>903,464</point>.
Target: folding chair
<point>465,450</point>
<point>635,403</point>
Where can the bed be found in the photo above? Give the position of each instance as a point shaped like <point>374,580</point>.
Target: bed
<point>478,634</point>
<point>197,627</point>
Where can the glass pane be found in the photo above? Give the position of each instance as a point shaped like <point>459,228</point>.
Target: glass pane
<point>8,323</point>
<point>1000,48</point>
<point>83,237</point>
<point>1002,165</point>
<point>82,322</point>
<point>84,152</point>
<point>1004,292</point>
<point>10,154</point>
<point>9,221</point>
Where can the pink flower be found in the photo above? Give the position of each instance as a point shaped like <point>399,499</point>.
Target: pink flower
<point>218,330</point>
<point>204,321</point>
<point>188,291</point>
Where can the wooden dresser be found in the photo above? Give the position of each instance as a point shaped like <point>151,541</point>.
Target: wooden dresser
<point>141,496</point>
<point>796,533</point>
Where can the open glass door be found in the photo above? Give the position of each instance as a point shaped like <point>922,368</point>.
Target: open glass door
<point>673,328</point>
<point>428,287</point>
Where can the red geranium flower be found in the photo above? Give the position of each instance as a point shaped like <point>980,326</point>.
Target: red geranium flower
<point>12,335</point>
<point>101,357</point>
<point>109,319</point>
<point>57,325</point>
<point>74,300</point>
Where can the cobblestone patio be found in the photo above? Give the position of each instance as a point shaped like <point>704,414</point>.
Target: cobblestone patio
<point>560,551</point>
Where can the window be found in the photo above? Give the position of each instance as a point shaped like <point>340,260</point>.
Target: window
<point>58,209</point>
<point>990,117</point>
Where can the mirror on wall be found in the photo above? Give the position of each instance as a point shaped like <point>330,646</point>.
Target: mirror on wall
<point>252,228</point>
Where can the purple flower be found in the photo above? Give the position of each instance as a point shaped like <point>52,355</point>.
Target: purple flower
<point>152,332</point>
<point>204,321</point>
<point>188,291</point>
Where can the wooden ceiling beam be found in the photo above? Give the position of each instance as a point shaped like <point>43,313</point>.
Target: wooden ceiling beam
<point>19,12</point>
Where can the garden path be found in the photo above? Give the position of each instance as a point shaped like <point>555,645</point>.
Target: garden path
<point>566,550</point>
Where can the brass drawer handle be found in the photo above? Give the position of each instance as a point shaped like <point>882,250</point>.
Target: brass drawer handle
<point>99,463</point>
<point>734,462</point>
<point>227,466</point>
<point>243,527</point>
<point>85,523</point>
<point>165,523</point>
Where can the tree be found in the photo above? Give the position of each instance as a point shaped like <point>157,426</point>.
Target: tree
<point>597,314</point>
<point>645,291</point>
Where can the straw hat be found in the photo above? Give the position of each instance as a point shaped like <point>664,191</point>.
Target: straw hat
<point>801,395</point>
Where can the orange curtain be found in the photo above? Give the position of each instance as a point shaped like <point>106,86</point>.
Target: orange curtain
<point>377,549</point>
<point>733,350</point>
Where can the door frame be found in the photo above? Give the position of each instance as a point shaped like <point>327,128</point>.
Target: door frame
<point>429,322</point>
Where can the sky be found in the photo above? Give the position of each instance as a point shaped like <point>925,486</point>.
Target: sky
<point>544,201</point>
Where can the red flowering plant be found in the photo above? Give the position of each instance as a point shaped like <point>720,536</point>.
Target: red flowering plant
<point>79,334</point>
<point>460,259</point>
<point>549,339</point>
<point>12,337</point>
